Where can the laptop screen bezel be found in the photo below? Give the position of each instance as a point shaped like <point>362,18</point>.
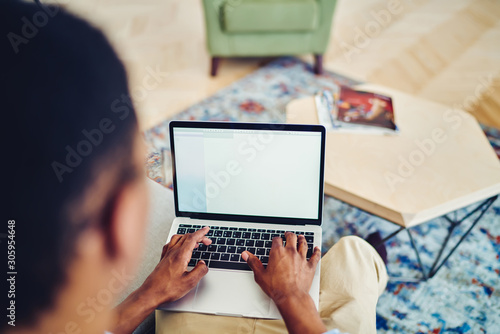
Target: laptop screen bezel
<point>249,126</point>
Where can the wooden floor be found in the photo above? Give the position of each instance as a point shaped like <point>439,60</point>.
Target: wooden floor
<point>443,50</point>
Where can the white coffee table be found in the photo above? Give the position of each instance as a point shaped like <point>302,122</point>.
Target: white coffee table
<point>441,161</point>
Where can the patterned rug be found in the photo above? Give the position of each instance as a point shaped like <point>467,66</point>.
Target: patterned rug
<point>464,297</point>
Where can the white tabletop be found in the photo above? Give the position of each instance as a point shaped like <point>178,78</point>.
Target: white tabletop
<point>439,162</point>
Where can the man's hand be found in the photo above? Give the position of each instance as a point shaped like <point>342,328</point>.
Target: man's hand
<point>289,272</point>
<point>170,280</point>
<point>287,280</point>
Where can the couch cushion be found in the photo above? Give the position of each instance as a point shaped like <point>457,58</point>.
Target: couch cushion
<point>250,16</point>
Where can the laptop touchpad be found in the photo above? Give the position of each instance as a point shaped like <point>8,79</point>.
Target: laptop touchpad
<point>231,293</point>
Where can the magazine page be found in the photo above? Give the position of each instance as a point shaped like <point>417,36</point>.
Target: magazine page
<point>352,111</point>
<point>365,108</point>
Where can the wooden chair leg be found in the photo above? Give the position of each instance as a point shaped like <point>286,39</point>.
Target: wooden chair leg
<point>215,66</point>
<point>318,64</point>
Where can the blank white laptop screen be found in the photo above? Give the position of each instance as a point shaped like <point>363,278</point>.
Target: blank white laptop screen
<point>248,172</point>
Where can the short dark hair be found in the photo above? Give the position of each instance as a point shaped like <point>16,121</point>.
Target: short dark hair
<point>68,132</point>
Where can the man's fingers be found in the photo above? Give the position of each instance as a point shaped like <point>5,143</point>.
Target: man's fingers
<point>291,240</point>
<point>176,240</point>
<point>173,241</point>
<point>195,275</point>
<point>206,241</point>
<point>302,246</point>
<point>190,242</point>
<point>196,237</point>
<point>164,251</point>
<point>277,243</point>
<point>253,262</point>
<point>316,256</point>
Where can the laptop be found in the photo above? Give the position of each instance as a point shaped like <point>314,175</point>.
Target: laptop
<point>249,182</point>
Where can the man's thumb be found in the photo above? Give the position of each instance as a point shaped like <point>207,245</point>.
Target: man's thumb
<point>252,261</point>
<point>198,272</point>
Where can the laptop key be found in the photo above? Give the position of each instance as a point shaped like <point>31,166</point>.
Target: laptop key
<point>259,243</point>
<point>243,229</point>
<point>256,236</point>
<point>309,238</point>
<point>252,230</point>
<point>271,231</point>
<point>234,257</point>
<point>227,234</point>
<point>205,255</point>
<point>220,241</point>
<point>240,249</point>
<point>268,244</point>
<point>309,233</point>
<point>250,243</point>
<point>185,225</point>
<point>261,230</point>
<point>264,259</point>
<point>181,230</point>
<point>212,248</point>
<point>196,227</point>
<point>209,233</point>
<point>230,242</point>
<point>214,256</point>
<point>309,253</point>
<point>217,233</point>
<point>202,248</point>
<point>196,255</point>
<point>191,230</point>
<point>224,228</point>
<point>261,251</point>
<point>231,249</point>
<point>224,257</point>
<point>229,265</point>
<point>251,250</point>
<point>233,229</point>
<point>246,235</point>
<point>221,249</point>
<point>236,234</point>
<point>192,262</point>
<point>265,236</point>
<point>268,251</point>
<point>240,242</point>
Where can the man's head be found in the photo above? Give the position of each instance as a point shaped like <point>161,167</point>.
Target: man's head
<point>73,153</point>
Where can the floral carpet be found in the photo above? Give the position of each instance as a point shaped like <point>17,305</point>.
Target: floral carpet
<point>463,297</point>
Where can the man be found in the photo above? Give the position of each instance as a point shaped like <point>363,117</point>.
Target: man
<point>77,204</point>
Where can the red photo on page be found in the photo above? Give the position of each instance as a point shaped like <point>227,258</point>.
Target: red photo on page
<point>365,108</point>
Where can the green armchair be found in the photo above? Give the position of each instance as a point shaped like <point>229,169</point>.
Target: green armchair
<point>242,28</point>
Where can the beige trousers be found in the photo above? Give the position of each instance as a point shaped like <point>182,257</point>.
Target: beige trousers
<point>353,276</point>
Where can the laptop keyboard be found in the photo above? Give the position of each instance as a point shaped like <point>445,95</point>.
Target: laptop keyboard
<point>229,242</point>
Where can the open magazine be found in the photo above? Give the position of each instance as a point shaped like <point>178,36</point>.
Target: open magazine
<point>355,111</point>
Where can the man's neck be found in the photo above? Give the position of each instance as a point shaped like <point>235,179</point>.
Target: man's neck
<point>82,305</point>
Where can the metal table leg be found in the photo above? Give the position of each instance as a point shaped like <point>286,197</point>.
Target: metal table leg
<point>437,265</point>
